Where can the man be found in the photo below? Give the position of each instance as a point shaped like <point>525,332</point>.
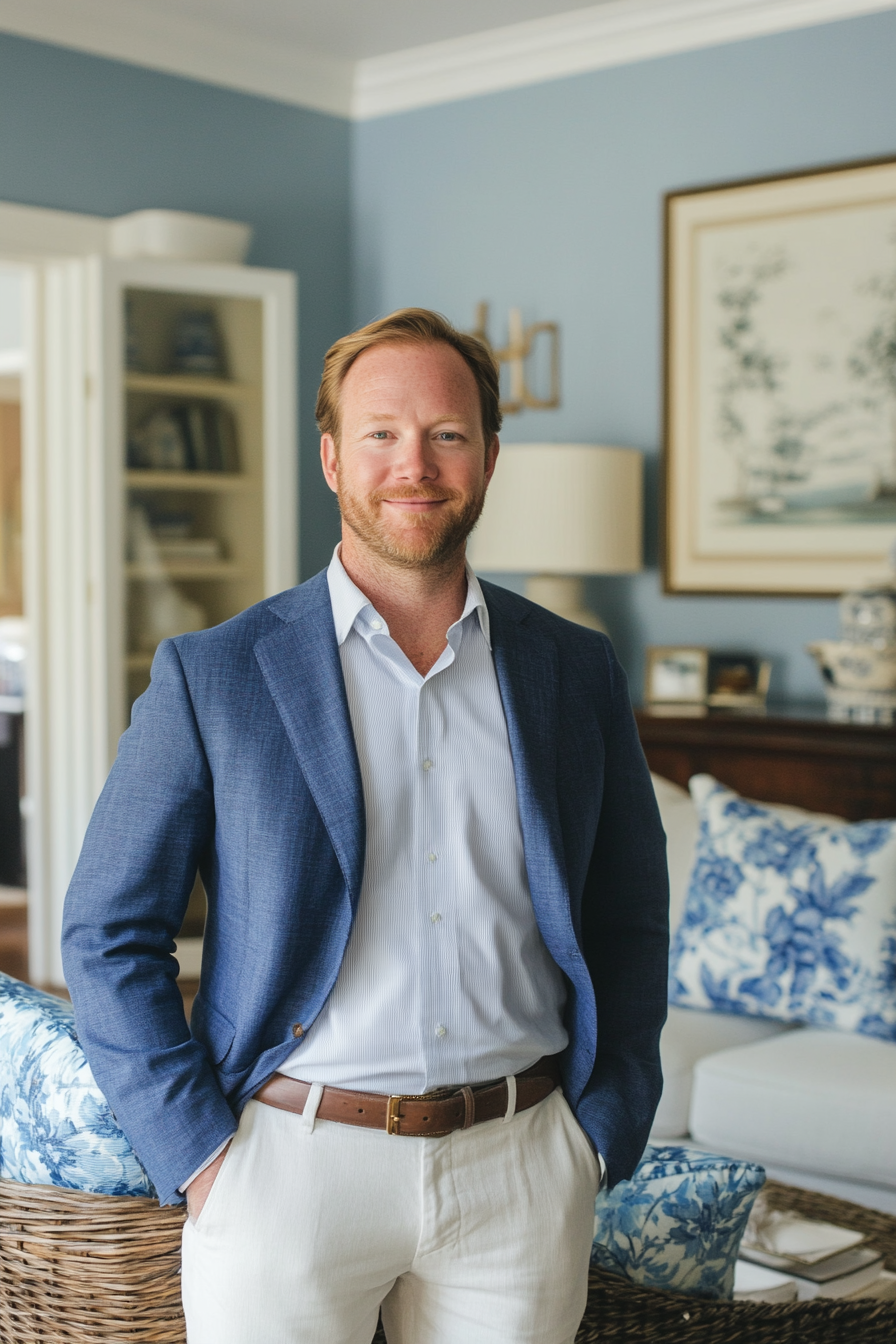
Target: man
<point>437,888</point>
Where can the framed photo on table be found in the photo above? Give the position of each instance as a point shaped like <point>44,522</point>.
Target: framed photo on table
<point>780,453</point>
<point>676,675</point>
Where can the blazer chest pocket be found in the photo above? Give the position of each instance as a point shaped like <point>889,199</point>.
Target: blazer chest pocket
<point>213,1030</point>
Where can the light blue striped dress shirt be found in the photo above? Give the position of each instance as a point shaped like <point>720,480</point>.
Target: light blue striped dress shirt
<point>446,979</point>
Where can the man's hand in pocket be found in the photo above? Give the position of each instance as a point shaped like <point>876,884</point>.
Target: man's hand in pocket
<point>200,1187</point>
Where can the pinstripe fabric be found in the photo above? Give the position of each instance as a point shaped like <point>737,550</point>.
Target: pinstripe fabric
<point>446,978</point>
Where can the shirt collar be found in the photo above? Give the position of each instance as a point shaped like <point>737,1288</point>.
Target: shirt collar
<point>348,602</point>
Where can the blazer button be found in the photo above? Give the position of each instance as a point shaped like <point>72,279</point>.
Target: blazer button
<point>298,1030</point>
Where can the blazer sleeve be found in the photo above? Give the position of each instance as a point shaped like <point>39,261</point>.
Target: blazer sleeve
<point>124,908</point>
<point>625,936</point>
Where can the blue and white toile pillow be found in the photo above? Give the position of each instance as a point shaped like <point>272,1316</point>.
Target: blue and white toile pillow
<point>789,916</point>
<point>677,1224</point>
<point>56,1127</point>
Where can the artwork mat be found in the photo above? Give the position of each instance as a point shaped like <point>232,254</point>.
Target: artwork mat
<point>793,559</point>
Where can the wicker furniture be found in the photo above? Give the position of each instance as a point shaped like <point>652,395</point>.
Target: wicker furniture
<point>91,1269</point>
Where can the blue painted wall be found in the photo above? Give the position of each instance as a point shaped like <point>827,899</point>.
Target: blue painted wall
<point>83,133</point>
<point>550,198</point>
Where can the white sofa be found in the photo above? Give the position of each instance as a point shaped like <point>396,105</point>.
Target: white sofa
<point>816,1108</point>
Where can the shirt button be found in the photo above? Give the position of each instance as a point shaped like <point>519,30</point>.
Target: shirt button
<point>441,1031</point>
<point>427,764</point>
<point>431,857</point>
<point>436,917</point>
<point>376,625</point>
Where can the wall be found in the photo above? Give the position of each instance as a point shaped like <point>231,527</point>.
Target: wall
<point>550,198</point>
<point>99,136</point>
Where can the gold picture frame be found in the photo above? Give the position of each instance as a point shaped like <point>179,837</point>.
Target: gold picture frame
<point>780,383</point>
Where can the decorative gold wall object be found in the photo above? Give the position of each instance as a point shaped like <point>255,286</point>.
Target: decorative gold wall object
<point>520,345</point>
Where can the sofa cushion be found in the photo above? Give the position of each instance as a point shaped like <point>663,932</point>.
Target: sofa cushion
<point>681,822</point>
<point>812,1100</point>
<point>678,1222</point>
<point>688,1035</point>
<point>56,1127</point>
<point>788,915</point>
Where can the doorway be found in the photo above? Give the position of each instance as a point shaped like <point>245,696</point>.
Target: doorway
<point>13,633</point>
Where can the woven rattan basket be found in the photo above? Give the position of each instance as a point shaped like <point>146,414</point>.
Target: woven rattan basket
<point>80,1269</point>
<point>92,1269</point>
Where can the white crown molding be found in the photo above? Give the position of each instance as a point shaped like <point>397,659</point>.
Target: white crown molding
<point>136,32</point>
<point>614,33</point>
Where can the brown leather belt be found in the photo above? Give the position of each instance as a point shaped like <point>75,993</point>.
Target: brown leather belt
<point>429,1116</point>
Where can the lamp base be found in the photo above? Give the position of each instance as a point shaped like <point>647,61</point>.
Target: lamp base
<point>563,596</point>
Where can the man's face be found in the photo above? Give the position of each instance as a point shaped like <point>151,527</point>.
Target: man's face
<point>412,464</point>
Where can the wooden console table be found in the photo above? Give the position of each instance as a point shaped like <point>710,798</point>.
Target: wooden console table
<point>792,754</point>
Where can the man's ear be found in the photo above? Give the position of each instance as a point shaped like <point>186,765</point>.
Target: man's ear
<point>329,460</point>
<point>491,457</point>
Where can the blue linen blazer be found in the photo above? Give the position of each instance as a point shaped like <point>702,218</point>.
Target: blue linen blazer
<point>240,761</point>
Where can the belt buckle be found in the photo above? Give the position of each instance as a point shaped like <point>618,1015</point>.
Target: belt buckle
<point>393,1118</point>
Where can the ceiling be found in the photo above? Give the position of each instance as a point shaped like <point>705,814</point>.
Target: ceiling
<point>355,29</point>
<point>370,58</point>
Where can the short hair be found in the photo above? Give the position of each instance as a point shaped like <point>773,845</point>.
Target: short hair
<point>415,326</point>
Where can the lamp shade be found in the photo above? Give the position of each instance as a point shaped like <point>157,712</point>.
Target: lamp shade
<point>561,508</point>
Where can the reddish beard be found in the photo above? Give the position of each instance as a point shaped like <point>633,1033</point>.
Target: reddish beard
<point>419,540</point>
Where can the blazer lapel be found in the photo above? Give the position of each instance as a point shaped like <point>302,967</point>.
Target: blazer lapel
<point>526,664</point>
<point>300,664</point>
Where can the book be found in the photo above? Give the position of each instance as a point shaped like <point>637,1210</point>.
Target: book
<point>883,1289</point>
<point>846,1285</point>
<point>786,1234</point>
<point>754,1283</point>
<point>822,1271</point>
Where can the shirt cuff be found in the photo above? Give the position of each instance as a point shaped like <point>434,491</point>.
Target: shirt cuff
<point>219,1150</point>
<point>601,1163</point>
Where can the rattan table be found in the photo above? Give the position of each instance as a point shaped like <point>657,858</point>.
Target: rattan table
<point>96,1269</point>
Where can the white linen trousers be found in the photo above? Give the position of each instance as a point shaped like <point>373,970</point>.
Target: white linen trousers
<point>480,1237</point>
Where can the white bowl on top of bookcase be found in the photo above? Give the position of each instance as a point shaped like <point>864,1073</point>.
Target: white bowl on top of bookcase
<point>175,235</point>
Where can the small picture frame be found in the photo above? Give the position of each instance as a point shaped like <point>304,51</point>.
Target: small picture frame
<point>737,680</point>
<point>676,675</point>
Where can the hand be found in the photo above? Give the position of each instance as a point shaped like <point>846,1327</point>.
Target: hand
<point>199,1189</point>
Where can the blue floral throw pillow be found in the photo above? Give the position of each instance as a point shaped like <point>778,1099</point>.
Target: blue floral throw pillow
<point>56,1127</point>
<point>789,916</point>
<point>677,1224</point>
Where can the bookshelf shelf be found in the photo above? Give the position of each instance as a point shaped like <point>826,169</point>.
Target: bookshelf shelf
<point>225,481</point>
<point>185,569</point>
<point>188,385</point>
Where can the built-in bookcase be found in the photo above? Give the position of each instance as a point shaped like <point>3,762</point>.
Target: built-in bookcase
<point>194,534</point>
<point>206,456</point>
<point>134,538</point>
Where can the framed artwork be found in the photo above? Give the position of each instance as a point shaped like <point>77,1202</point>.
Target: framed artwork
<point>780,457</point>
<point>676,675</point>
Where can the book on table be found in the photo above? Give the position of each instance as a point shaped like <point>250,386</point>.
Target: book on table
<point>821,1259</point>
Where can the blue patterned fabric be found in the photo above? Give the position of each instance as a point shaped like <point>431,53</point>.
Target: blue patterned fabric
<point>677,1224</point>
<point>788,916</point>
<point>56,1127</point>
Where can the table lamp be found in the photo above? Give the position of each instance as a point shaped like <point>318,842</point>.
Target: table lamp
<point>557,511</point>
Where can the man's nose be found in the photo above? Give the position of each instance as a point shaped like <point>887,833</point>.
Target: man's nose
<point>416,459</point>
